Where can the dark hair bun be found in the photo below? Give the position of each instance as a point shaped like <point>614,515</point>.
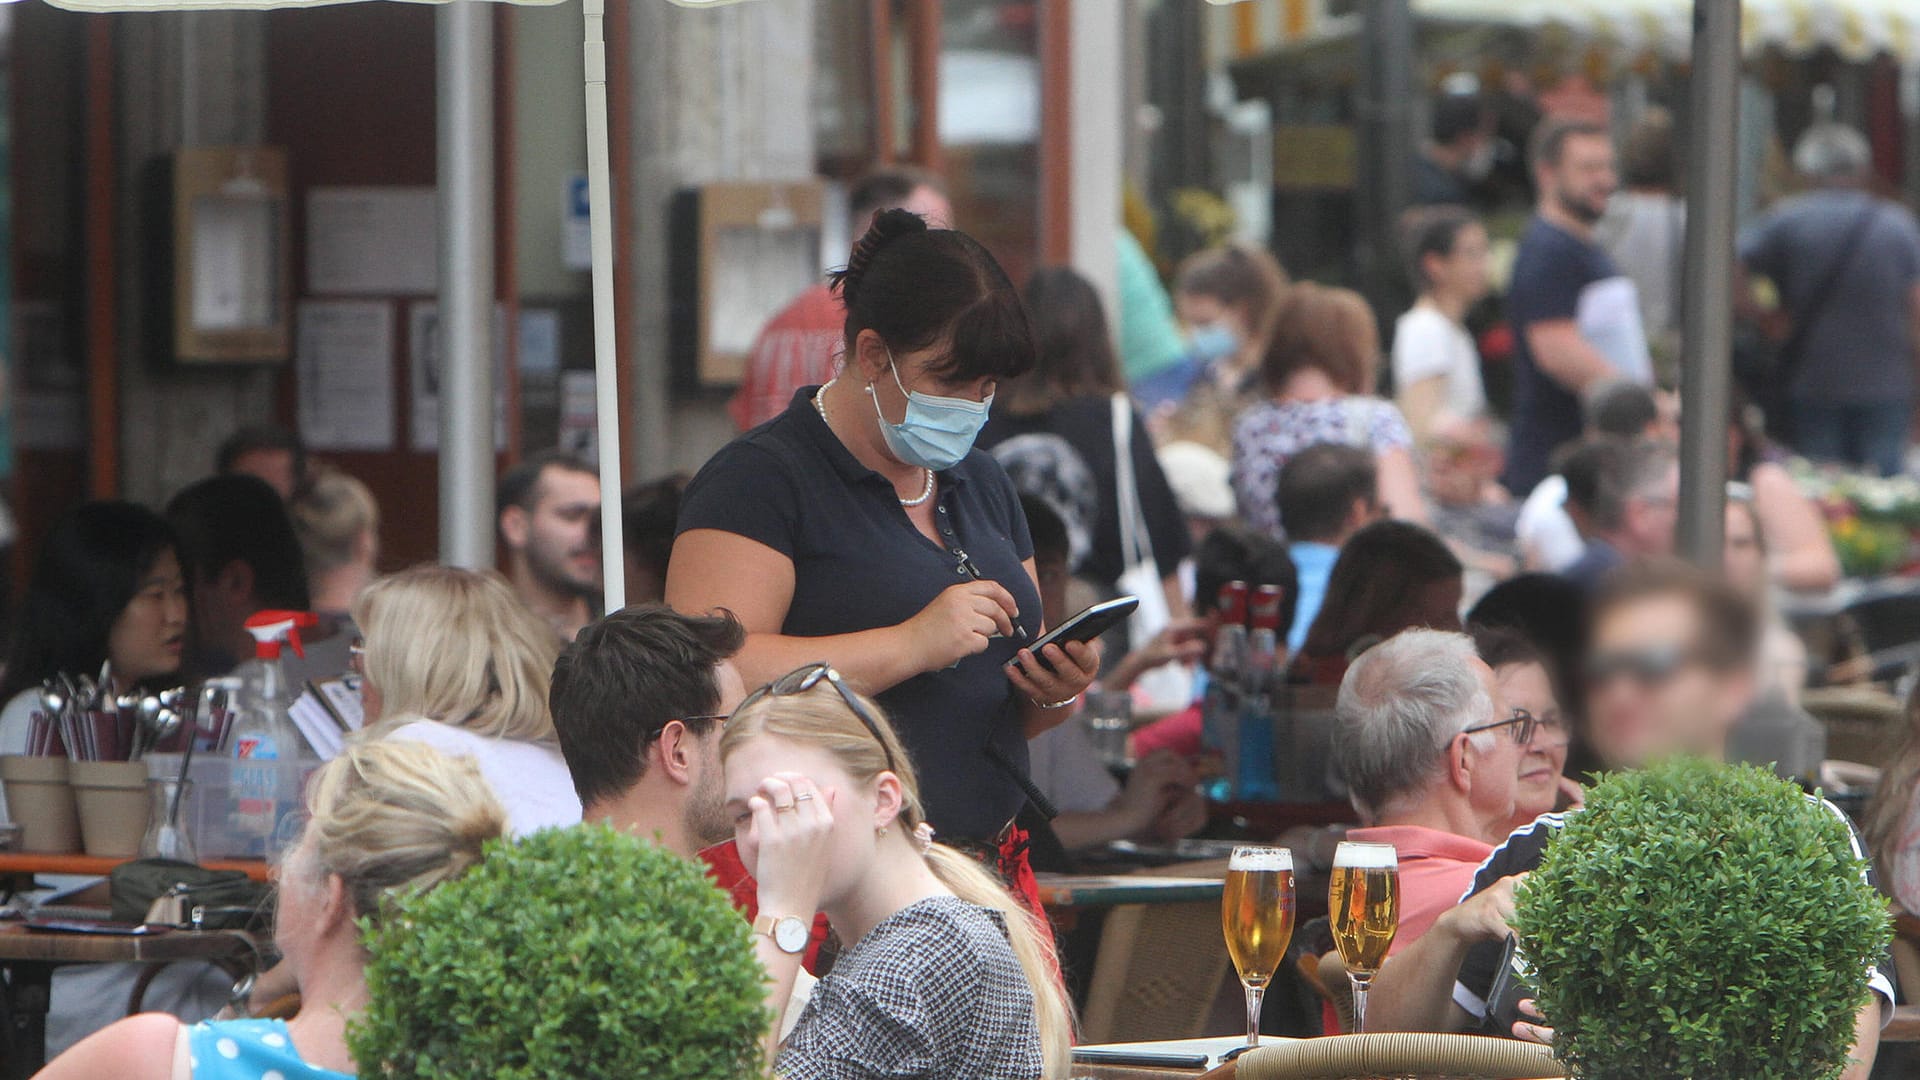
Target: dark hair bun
<point>887,226</point>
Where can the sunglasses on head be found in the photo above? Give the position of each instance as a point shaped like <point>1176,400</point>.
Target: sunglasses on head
<point>1648,667</point>
<point>1524,725</point>
<point>801,680</point>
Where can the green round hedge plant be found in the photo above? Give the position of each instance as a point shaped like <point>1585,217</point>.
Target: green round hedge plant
<point>574,953</point>
<point>1698,921</point>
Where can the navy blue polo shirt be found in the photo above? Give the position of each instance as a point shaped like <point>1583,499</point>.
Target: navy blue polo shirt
<point>860,564</point>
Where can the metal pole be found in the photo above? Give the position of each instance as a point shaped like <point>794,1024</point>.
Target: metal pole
<point>1386,133</point>
<point>464,59</point>
<point>1707,283</point>
<point>606,367</point>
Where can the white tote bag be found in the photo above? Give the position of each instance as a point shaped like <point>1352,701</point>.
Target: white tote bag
<point>1170,687</point>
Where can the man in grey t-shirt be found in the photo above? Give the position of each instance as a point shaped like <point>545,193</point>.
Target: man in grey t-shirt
<point>1852,396</point>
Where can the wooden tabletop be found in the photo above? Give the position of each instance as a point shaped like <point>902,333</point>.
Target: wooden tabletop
<point>1106,890</point>
<point>22,862</point>
<point>18,944</point>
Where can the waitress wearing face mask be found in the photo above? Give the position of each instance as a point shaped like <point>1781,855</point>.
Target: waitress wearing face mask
<point>862,528</point>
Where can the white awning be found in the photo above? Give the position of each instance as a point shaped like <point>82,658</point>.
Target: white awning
<point>1625,31</point>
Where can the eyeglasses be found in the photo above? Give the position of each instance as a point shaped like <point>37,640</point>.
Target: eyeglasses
<point>1648,668</point>
<point>804,679</point>
<point>697,724</point>
<point>1523,722</point>
<point>357,655</point>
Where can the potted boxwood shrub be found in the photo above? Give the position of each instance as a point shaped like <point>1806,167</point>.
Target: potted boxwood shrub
<point>574,953</point>
<point>1701,921</point>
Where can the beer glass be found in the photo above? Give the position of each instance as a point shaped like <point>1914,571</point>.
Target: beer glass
<point>1364,906</point>
<point>1256,914</point>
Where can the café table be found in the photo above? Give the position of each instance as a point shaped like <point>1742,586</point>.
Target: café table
<point>1203,1055</point>
<point>1079,891</point>
<point>18,866</point>
<point>28,957</point>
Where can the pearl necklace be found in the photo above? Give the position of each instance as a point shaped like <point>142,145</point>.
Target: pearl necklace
<point>820,406</point>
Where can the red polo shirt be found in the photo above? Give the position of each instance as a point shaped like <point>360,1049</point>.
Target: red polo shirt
<point>1436,870</point>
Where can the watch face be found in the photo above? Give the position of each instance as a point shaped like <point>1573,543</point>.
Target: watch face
<point>791,935</point>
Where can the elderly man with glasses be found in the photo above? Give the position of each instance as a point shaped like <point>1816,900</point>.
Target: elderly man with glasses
<point>1432,762</point>
<point>1669,672</point>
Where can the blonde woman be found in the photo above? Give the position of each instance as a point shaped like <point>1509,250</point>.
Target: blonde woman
<point>338,523</point>
<point>386,817</point>
<point>451,658</point>
<point>944,974</point>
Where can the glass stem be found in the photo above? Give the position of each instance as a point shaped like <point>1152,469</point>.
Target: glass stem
<point>1360,984</point>
<point>1255,995</point>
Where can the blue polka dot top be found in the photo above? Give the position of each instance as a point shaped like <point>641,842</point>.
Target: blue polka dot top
<point>249,1050</point>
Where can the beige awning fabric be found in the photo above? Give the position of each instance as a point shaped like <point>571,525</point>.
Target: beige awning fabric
<point>1625,31</point>
<point>242,5</point>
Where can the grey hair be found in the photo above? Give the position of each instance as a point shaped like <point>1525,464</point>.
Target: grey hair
<point>1400,704</point>
<point>1832,151</point>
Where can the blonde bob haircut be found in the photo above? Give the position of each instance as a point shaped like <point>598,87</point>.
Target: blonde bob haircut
<point>458,647</point>
<point>394,816</point>
<point>818,717</point>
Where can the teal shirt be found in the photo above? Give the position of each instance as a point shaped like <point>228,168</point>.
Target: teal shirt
<point>250,1050</point>
<point>1150,339</point>
<point>1314,565</point>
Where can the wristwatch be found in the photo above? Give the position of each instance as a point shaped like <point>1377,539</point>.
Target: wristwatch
<point>787,933</point>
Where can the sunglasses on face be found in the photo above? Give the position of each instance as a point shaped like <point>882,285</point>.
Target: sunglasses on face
<point>1647,668</point>
<point>1524,725</point>
<point>804,679</point>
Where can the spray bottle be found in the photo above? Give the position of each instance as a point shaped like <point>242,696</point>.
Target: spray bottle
<point>263,735</point>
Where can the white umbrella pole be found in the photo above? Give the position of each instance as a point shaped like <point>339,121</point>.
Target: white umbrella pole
<point>464,32</point>
<point>606,365</point>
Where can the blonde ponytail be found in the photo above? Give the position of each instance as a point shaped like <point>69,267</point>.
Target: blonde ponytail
<point>392,816</point>
<point>1032,946</point>
<point>818,717</point>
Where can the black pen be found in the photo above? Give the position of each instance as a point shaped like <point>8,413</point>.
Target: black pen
<point>972,571</point>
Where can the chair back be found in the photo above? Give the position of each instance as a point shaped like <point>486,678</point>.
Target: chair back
<point>1327,975</point>
<point>1159,967</point>
<point>1860,721</point>
<point>1355,1057</point>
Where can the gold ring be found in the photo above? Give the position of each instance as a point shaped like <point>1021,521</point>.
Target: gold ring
<point>787,809</point>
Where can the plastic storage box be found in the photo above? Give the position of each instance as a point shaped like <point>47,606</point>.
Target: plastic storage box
<point>239,808</point>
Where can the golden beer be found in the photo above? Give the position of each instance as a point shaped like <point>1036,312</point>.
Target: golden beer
<point>1363,906</point>
<point>1256,915</point>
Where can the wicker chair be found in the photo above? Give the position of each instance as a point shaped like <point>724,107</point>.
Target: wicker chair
<point>1159,968</point>
<point>1344,1057</point>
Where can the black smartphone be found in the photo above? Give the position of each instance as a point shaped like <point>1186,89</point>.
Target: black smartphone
<point>1087,625</point>
<point>1510,987</point>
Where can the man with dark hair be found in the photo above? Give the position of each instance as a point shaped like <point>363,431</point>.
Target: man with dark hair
<point>548,505</point>
<point>241,555</point>
<point>1576,318</point>
<point>1670,672</point>
<point>1326,493</point>
<point>801,345</point>
<point>648,513</point>
<point>638,701</point>
<point>273,454</point>
<point>1615,408</point>
<point>1624,496</point>
<point>1458,152</point>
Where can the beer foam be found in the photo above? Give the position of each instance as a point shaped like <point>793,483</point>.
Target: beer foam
<point>1261,859</point>
<point>1360,856</point>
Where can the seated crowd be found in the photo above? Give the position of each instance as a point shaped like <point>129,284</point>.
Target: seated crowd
<point>1468,702</point>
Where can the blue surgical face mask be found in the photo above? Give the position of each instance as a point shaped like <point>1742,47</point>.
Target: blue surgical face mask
<point>937,431</point>
<point>1214,341</point>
